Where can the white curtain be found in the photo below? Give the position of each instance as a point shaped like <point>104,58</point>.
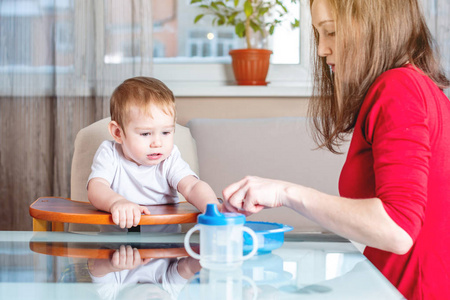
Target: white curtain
<point>59,62</point>
<point>437,13</point>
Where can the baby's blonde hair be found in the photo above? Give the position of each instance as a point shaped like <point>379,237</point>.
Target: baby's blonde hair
<point>141,92</point>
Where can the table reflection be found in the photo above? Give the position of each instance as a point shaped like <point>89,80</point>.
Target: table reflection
<point>117,269</point>
<point>116,277</point>
<point>156,266</point>
<point>218,285</point>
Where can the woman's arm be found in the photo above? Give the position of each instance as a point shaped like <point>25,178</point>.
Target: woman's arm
<point>362,220</point>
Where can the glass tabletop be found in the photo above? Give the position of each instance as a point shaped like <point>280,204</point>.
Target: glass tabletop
<point>61,265</point>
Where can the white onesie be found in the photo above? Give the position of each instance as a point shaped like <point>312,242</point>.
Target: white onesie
<point>144,185</point>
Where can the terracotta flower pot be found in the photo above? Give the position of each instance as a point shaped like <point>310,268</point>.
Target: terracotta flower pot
<point>250,66</point>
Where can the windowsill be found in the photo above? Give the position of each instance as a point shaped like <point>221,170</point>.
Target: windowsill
<point>285,81</point>
<point>207,89</point>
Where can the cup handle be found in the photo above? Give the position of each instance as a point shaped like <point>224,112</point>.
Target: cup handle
<point>253,285</point>
<point>255,242</point>
<point>187,245</point>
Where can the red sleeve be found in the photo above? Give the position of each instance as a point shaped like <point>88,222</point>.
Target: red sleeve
<point>397,129</point>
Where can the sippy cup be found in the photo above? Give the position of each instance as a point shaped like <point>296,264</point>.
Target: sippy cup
<point>221,239</point>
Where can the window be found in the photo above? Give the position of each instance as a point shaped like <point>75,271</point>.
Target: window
<point>21,34</point>
<point>210,43</point>
<point>201,58</point>
<point>196,55</point>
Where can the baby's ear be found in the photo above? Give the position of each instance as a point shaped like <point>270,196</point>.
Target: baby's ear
<point>116,131</point>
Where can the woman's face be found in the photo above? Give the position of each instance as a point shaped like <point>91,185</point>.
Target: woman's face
<point>323,21</point>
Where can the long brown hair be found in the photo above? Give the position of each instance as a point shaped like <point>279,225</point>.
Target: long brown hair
<point>371,37</point>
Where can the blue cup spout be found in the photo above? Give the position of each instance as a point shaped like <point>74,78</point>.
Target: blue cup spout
<point>214,217</point>
<point>213,211</point>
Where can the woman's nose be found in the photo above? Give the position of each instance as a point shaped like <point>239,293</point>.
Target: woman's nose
<point>323,49</point>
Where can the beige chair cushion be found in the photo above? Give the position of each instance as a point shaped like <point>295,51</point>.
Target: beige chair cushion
<point>89,139</point>
<point>278,148</point>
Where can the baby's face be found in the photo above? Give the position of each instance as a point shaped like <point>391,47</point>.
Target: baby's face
<point>148,140</point>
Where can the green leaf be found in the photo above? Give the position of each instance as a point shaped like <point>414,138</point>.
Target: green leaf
<point>263,11</point>
<point>240,29</point>
<point>232,17</point>
<point>248,8</point>
<point>295,24</point>
<point>271,29</point>
<point>236,3</point>
<point>195,1</point>
<point>221,3</point>
<point>279,3</point>
<point>255,26</point>
<point>197,18</point>
<point>221,21</point>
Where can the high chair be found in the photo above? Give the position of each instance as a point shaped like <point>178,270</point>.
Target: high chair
<point>51,213</point>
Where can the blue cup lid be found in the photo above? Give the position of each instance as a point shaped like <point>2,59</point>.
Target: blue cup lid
<point>213,216</point>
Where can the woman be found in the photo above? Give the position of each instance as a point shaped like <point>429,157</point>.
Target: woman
<point>378,78</point>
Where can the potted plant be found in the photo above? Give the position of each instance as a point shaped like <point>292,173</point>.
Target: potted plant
<point>250,18</point>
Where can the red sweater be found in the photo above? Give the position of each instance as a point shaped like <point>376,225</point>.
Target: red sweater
<point>400,153</point>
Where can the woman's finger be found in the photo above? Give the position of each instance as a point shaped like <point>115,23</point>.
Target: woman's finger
<point>229,207</point>
<point>233,188</point>
<point>239,196</point>
<point>236,200</point>
<point>252,206</point>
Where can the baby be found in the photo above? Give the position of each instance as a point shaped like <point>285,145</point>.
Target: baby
<point>142,166</point>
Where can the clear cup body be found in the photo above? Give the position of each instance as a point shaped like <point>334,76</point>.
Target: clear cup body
<point>221,246</point>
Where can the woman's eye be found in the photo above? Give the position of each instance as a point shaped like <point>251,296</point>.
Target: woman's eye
<point>145,134</point>
<point>331,33</point>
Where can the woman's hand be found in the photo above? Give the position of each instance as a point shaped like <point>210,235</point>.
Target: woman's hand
<point>251,194</point>
<point>126,213</point>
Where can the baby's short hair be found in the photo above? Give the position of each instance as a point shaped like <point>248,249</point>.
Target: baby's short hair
<point>142,92</point>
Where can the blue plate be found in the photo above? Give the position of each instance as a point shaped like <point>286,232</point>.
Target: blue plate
<point>270,236</point>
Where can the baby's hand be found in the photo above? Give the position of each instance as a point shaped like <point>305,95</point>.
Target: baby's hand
<point>127,214</point>
<point>188,266</point>
<point>127,258</point>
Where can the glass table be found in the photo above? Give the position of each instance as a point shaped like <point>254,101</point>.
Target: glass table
<point>62,265</point>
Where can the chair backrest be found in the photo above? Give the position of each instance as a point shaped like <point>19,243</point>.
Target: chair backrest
<point>89,139</point>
